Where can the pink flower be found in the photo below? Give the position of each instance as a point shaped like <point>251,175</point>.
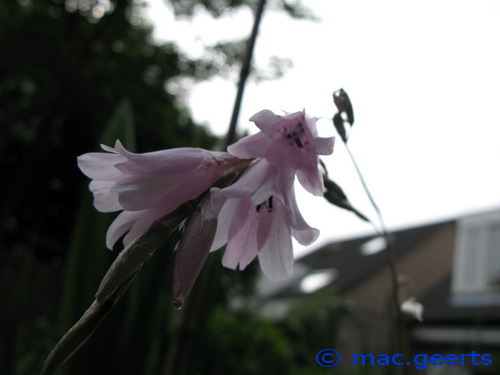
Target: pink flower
<point>149,186</point>
<point>290,143</point>
<point>258,213</point>
<point>258,217</point>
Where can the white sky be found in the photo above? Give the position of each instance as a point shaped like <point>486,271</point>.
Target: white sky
<point>424,80</point>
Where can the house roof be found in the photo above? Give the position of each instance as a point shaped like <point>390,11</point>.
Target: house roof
<point>348,262</point>
<point>353,267</point>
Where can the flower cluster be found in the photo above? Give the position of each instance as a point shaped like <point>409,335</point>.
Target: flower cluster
<point>256,216</point>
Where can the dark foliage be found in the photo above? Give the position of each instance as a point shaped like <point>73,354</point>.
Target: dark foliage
<point>65,67</point>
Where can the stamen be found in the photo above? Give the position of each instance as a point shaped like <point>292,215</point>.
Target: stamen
<point>270,204</point>
<point>259,206</point>
<point>295,136</point>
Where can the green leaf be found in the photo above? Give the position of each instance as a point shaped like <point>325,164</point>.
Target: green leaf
<point>336,196</point>
<point>114,285</point>
<point>82,330</point>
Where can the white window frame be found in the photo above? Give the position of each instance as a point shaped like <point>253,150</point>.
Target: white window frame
<point>471,271</point>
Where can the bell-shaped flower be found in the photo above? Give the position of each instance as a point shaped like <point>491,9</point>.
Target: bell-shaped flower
<point>257,216</point>
<point>148,186</point>
<point>290,143</point>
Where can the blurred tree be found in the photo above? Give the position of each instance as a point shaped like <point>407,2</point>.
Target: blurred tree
<point>63,73</point>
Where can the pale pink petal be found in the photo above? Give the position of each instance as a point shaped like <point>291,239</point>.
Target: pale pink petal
<point>139,192</point>
<point>276,256</point>
<point>267,122</point>
<point>311,124</point>
<point>165,162</point>
<point>283,185</point>
<point>302,232</point>
<point>305,235</point>
<point>190,189</point>
<point>104,199</point>
<point>260,182</point>
<point>323,146</point>
<point>270,186</point>
<point>141,225</point>
<point>100,166</point>
<point>266,219</point>
<point>266,190</point>
<point>171,162</point>
<point>120,225</point>
<point>283,155</point>
<point>251,180</point>
<point>241,248</point>
<point>310,177</point>
<point>191,255</point>
<point>111,149</point>
<point>253,146</point>
<point>226,215</point>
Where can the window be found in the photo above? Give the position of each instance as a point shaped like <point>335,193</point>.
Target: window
<point>476,269</point>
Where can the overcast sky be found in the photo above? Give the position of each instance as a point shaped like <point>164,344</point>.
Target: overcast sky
<point>424,80</point>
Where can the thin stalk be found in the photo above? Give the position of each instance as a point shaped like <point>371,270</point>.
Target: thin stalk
<point>391,259</point>
<point>245,71</point>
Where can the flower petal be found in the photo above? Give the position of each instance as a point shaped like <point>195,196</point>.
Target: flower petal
<point>241,248</point>
<point>140,192</point>
<point>323,146</point>
<point>141,225</point>
<point>251,181</point>
<point>311,124</point>
<point>310,177</point>
<point>226,214</point>
<point>276,256</point>
<point>301,231</point>
<point>253,146</point>
<point>169,162</point>
<point>166,162</point>
<point>266,219</point>
<point>120,225</point>
<point>104,199</point>
<point>267,122</point>
<point>100,166</point>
